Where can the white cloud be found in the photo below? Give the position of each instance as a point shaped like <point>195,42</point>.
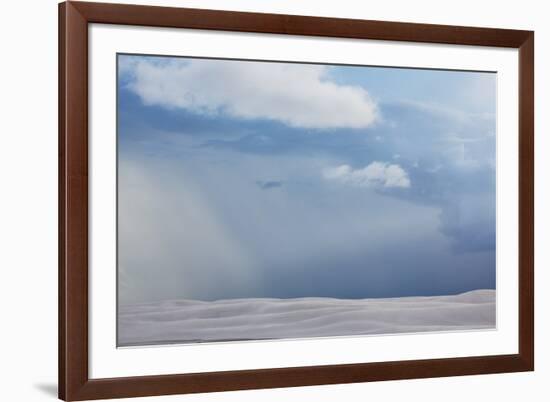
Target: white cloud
<point>298,95</point>
<point>375,174</point>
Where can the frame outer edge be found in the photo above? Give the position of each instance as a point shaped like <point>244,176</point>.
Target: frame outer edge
<point>74,382</point>
<point>241,21</point>
<point>73,202</point>
<point>526,200</point>
<point>62,352</point>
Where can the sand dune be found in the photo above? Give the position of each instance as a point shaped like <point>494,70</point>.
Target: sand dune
<point>185,321</point>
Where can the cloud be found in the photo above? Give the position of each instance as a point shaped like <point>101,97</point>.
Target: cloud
<point>375,174</point>
<point>266,185</point>
<point>298,95</point>
<point>469,221</point>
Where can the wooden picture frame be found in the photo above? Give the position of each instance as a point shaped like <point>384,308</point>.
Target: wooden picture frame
<point>74,381</point>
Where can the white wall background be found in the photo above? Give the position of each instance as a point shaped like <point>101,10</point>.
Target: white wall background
<point>28,199</point>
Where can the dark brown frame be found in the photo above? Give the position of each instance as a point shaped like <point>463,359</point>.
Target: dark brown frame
<point>74,383</point>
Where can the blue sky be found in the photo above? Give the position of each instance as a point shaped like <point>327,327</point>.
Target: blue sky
<point>260,179</point>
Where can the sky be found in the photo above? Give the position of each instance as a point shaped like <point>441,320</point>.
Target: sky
<point>242,179</point>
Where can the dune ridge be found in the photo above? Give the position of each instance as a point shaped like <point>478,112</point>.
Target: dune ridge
<point>191,321</point>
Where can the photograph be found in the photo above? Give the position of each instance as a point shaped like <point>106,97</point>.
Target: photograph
<point>272,201</point>
<point>266,200</point>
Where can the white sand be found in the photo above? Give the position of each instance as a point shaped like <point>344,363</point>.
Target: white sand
<point>184,321</point>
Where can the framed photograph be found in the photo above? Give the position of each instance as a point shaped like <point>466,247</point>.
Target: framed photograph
<point>260,200</point>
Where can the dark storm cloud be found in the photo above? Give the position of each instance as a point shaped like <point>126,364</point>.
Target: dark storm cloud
<point>266,185</point>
